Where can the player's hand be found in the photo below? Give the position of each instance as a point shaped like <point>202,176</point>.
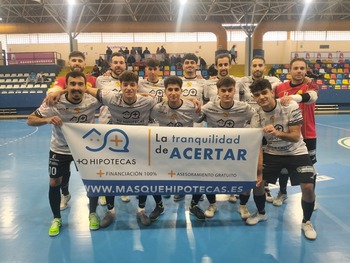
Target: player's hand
<point>197,105</point>
<point>307,80</point>
<point>259,180</point>
<point>285,100</point>
<point>56,121</point>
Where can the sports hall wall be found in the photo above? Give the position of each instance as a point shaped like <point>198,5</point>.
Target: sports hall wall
<point>276,52</point>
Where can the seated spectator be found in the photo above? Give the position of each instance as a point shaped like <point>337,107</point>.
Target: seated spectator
<point>40,77</point>
<point>95,71</point>
<point>32,77</point>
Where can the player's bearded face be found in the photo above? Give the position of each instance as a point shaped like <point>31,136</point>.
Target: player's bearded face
<point>77,64</point>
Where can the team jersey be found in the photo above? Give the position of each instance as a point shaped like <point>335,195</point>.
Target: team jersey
<point>244,90</point>
<point>183,116</point>
<point>84,112</point>
<point>90,82</point>
<point>194,88</point>
<point>212,90</point>
<point>137,113</point>
<point>238,116</point>
<point>308,128</point>
<point>108,83</point>
<point>282,117</point>
<point>155,89</point>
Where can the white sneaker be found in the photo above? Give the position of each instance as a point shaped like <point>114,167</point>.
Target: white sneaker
<point>211,211</point>
<point>232,199</point>
<point>64,201</point>
<point>102,200</point>
<point>125,198</point>
<point>269,197</point>
<point>278,201</point>
<point>244,212</point>
<point>309,231</point>
<point>256,218</point>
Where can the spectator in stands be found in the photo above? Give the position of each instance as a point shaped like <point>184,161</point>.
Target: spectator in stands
<point>212,71</point>
<point>108,53</point>
<point>162,50</point>
<point>95,71</point>
<point>233,54</point>
<point>31,78</point>
<point>40,77</point>
<point>202,63</point>
<point>100,62</point>
<point>131,60</point>
<point>126,51</point>
<point>310,73</point>
<point>146,52</point>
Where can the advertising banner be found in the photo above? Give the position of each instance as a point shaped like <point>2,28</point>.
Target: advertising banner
<point>148,160</point>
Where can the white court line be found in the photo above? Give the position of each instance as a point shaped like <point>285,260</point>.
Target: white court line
<point>335,127</point>
<point>334,218</point>
<point>21,138</point>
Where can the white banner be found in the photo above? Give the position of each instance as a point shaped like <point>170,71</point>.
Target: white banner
<point>143,160</point>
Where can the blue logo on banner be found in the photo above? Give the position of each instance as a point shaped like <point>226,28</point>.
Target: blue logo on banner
<point>116,140</point>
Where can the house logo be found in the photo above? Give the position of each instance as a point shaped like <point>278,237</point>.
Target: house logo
<point>115,140</point>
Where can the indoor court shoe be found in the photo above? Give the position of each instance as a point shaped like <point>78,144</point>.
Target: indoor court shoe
<point>269,197</point>
<point>197,212</point>
<point>125,198</point>
<point>278,201</point>
<point>166,196</point>
<point>94,221</point>
<point>108,218</point>
<point>202,198</point>
<point>244,212</point>
<point>143,218</point>
<point>178,197</point>
<point>256,218</point>
<point>211,211</point>
<point>102,200</point>
<point>55,227</point>
<point>64,201</point>
<point>232,199</point>
<point>309,231</point>
<point>158,210</point>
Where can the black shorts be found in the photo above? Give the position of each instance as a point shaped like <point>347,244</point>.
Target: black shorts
<point>300,168</point>
<point>59,164</point>
<point>311,147</point>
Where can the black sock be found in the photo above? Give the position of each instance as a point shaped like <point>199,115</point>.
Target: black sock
<point>55,200</point>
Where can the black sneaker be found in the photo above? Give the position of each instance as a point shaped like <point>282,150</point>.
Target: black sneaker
<point>197,212</point>
<point>178,197</point>
<point>158,210</point>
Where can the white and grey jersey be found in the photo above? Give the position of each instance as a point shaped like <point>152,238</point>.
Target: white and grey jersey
<point>84,112</point>
<point>183,116</point>
<point>238,116</point>
<point>194,88</point>
<point>244,90</point>
<point>282,117</point>
<point>109,83</point>
<point>212,90</point>
<point>137,113</point>
<point>155,89</point>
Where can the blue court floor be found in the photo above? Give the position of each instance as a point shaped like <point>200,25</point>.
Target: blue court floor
<point>176,237</point>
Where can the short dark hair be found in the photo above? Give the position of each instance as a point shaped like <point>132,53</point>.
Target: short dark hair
<point>260,85</point>
<point>76,54</point>
<point>190,56</point>
<point>258,57</point>
<point>225,81</point>
<point>117,54</point>
<point>173,80</point>
<point>152,62</point>
<point>297,59</point>
<point>220,56</point>
<point>75,74</point>
<point>128,75</point>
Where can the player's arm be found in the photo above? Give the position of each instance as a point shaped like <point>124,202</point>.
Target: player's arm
<point>92,91</point>
<point>293,135</point>
<point>36,120</point>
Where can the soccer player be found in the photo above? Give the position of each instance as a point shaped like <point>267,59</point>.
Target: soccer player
<point>117,65</point>
<point>152,84</point>
<point>285,149</point>
<point>225,112</point>
<point>303,91</point>
<point>176,112</point>
<point>257,69</point>
<point>139,107</point>
<point>74,106</point>
<point>76,62</point>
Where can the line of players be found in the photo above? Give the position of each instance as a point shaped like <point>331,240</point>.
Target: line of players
<point>228,94</point>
